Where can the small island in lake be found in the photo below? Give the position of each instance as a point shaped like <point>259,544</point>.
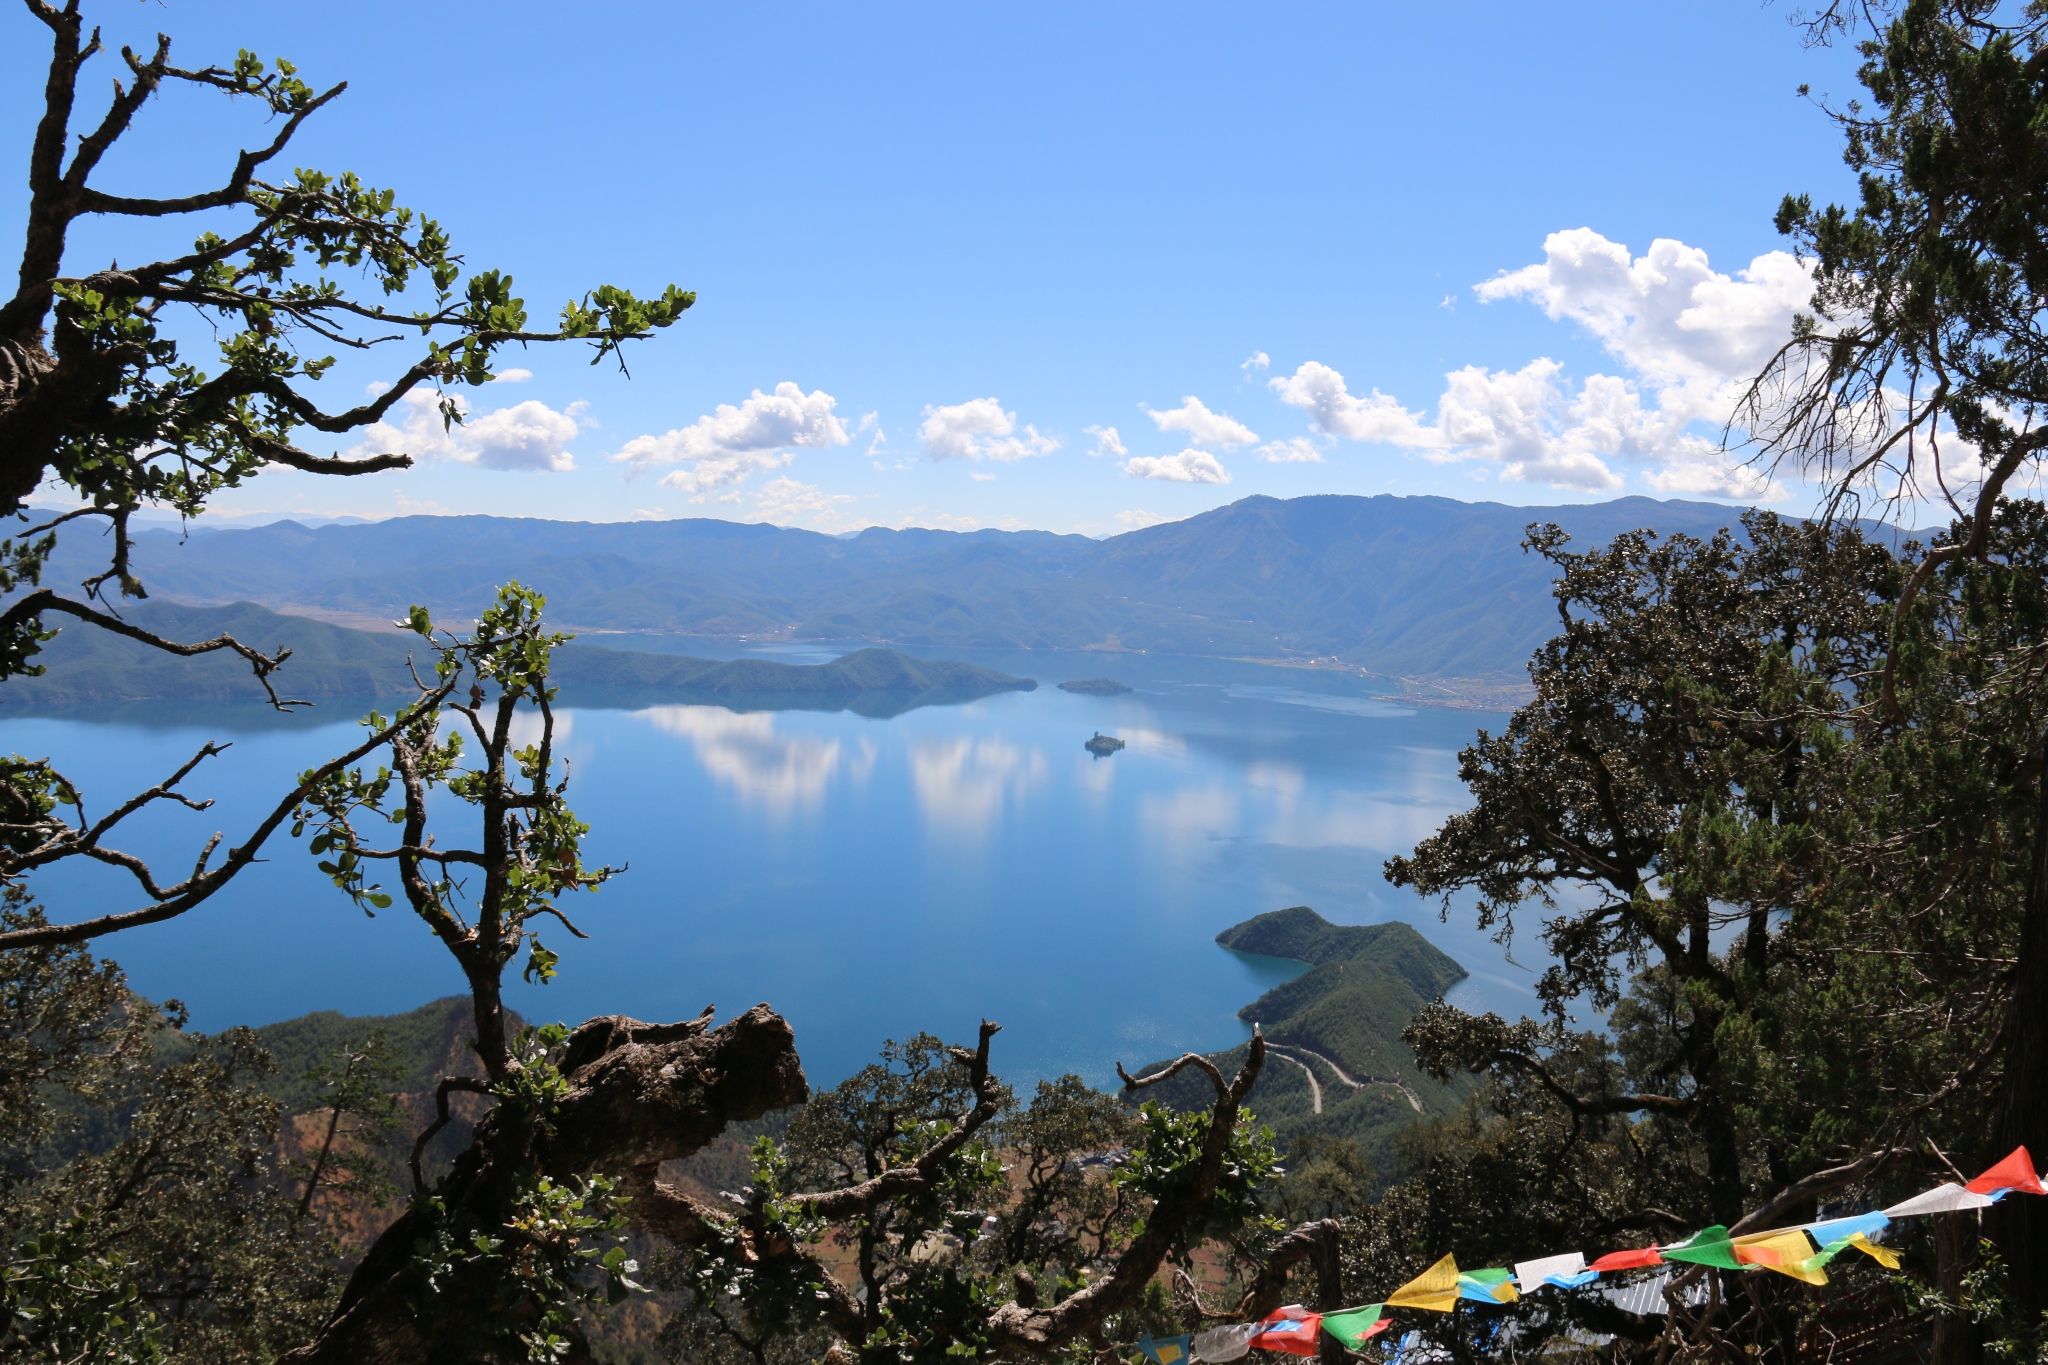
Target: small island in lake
<point>1095,687</point>
<point>1102,746</point>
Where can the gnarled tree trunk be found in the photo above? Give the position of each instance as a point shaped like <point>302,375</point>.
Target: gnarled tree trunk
<point>639,1094</point>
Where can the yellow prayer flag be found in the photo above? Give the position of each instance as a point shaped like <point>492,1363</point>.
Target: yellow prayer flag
<point>1884,1256</point>
<point>1788,1253</point>
<point>1435,1289</point>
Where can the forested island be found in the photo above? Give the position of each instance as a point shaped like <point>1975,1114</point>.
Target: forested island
<point>1095,687</point>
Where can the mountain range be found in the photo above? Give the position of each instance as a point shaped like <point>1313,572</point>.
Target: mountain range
<point>1400,586</point>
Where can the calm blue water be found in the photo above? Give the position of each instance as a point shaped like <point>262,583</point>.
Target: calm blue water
<point>869,878</point>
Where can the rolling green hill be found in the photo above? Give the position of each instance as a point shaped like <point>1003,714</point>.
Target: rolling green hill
<point>1341,1020</point>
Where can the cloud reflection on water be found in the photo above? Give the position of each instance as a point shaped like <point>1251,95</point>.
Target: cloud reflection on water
<point>962,783</point>
<point>745,752</point>
<point>1158,743</point>
<point>1190,814</point>
<point>1274,803</point>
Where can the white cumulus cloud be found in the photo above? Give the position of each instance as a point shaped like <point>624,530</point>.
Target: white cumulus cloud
<point>1107,442</point>
<point>725,446</point>
<point>784,501</point>
<point>529,436</point>
<point>1686,337</point>
<point>1190,466</point>
<point>1257,360</point>
<point>1667,315</point>
<point>979,429</point>
<point>1293,450</point>
<point>1203,426</point>
<point>1332,408</point>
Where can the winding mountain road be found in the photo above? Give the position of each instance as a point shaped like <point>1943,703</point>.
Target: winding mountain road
<point>1315,1087</point>
<point>1282,1049</point>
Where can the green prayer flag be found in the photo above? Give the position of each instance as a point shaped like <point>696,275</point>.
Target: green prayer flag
<point>1354,1326</point>
<point>1708,1246</point>
<point>1487,1286</point>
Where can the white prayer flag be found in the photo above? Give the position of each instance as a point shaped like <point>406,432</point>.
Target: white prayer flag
<point>1225,1343</point>
<point>1531,1275</point>
<point>1949,1198</point>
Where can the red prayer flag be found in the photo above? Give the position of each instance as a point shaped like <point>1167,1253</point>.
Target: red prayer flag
<point>2016,1172</point>
<point>1627,1260</point>
<point>1291,1330</point>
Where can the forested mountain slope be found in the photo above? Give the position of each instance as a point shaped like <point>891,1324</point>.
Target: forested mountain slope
<point>1400,586</point>
<point>1339,1023</point>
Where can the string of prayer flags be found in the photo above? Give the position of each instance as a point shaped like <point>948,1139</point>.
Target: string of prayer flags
<point>1627,1260</point>
<point>1487,1286</point>
<point>1708,1246</point>
<point>1226,1343</point>
<point>1354,1326</point>
<point>1802,1252</point>
<point>1435,1289</point>
<point>1291,1329</point>
<point>1788,1253</point>
<point>1172,1351</point>
<point>2016,1172</point>
<point>1566,1272</point>
<point>1949,1198</point>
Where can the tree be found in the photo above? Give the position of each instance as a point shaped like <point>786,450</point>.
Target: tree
<point>1799,921</point>
<point>349,1167</point>
<point>1924,365</point>
<point>99,399</point>
<point>1924,358</point>
<point>1046,1201</point>
<point>1650,728</point>
<point>145,1212</point>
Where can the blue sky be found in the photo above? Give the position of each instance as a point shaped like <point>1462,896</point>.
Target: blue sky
<point>1386,248</point>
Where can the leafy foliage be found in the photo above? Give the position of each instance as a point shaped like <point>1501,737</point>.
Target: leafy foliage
<point>146,1205</point>
<point>1036,1209</point>
<point>1926,343</point>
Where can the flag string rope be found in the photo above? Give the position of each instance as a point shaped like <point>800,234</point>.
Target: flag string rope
<point>1802,1252</point>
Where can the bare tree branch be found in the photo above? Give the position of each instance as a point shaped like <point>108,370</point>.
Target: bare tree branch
<point>195,890</point>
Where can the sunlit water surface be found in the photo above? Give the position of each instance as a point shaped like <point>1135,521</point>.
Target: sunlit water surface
<point>869,878</point>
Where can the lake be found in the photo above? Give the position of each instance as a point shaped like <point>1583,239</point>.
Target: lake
<point>869,878</point>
